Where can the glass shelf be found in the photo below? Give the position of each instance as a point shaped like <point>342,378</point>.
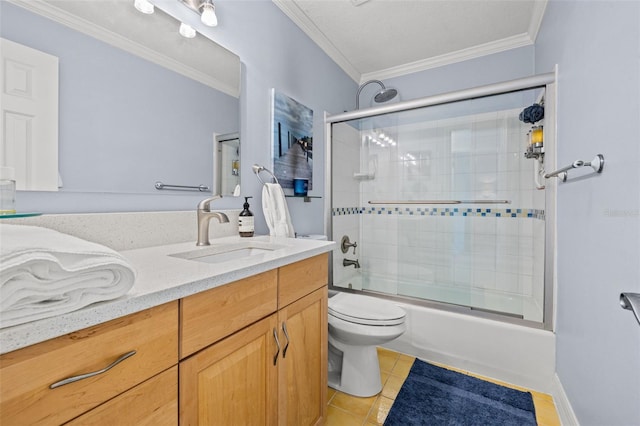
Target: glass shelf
<point>16,215</point>
<point>307,198</point>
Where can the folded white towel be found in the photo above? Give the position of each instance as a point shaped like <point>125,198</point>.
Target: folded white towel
<point>276,211</point>
<point>44,273</point>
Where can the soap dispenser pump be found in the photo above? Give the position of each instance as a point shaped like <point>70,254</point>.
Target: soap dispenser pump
<point>245,220</point>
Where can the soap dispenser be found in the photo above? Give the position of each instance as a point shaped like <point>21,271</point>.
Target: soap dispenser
<point>245,220</point>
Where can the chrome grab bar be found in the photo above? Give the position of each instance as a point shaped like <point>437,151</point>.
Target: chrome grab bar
<point>93,373</point>
<point>631,301</point>
<point>597,164</point>
<point>202,188</point>
<point>441,202</point>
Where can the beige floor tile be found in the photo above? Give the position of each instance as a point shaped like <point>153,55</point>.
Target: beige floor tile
<point>380,410</point>
<point>339,417</point>
<point>387,359</point>
<point>330,393</point>
<point>384,375</point>
<point>353,404</point>
<point>392,387</point>
<point>402,367</point>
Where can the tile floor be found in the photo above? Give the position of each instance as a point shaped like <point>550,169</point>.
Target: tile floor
<point>347,410</point>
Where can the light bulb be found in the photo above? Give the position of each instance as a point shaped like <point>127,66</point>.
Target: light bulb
<point>144,6</point>
<point>209,17</point>
<point>187,31</point>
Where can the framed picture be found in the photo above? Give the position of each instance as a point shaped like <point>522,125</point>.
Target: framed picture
<point>291,141</point>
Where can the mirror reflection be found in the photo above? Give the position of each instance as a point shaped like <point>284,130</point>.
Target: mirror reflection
<point>227,165</point>
<point>126,122</point>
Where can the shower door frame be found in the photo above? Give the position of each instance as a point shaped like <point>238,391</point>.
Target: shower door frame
<point>547,81</point>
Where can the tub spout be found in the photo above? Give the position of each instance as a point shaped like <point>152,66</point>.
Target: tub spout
<point>349,262</point>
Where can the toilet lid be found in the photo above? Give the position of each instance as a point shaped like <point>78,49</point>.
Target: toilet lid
<point>365,310</point>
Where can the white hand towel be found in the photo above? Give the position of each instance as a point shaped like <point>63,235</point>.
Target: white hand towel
<point>44,273</point>
<point>276,212</point>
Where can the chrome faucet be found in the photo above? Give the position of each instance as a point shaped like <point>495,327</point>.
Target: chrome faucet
<point>204,216</point>
<point>349,262</point>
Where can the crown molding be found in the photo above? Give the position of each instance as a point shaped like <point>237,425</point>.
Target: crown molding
<point>502,45</point>
<point>537,14</point>
<point>294,13</point>
<point>84,26</point>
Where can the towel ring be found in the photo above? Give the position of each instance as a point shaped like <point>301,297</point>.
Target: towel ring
<point>258,168</point>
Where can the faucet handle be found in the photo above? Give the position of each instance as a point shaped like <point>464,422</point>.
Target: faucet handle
<point>345,244</point>
<point>205,204</point>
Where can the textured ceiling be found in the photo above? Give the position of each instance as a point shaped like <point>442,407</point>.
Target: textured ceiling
<point>385,38</point>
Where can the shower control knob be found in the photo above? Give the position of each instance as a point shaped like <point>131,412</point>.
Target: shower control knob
<point>345,244</point>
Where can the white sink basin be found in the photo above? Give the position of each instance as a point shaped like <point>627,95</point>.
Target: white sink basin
<point>228,252</point>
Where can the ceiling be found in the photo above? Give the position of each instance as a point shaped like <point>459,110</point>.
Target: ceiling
<point>378,39</point>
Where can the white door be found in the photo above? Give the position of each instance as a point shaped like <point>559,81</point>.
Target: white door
<point>29,116</point>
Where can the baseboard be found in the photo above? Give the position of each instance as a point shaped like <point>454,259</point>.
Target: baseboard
<point>563,406</point>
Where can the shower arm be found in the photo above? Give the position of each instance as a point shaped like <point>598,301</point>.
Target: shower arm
<point>362,87</point>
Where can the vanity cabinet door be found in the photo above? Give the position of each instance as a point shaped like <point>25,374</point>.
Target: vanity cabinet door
<point>26,374</point>
<point>302,393</point>
<point>233,382</point>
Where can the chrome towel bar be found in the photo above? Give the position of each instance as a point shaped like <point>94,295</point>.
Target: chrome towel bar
<point>201,188</point>
<point>597,164</point>
<point>257,168</point>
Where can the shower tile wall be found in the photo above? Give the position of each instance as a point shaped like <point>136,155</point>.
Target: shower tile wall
<point>484,258</point>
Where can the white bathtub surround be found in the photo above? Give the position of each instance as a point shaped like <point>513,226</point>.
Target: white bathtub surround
<point>44,273</point>
<point>511,353</point>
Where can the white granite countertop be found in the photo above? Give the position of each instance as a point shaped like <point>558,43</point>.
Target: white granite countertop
<point>163,278</point>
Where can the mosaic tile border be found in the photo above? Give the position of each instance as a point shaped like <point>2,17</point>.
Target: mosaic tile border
<point>442,211</point>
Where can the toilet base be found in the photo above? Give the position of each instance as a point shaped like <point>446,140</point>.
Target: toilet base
<point>360,373</point>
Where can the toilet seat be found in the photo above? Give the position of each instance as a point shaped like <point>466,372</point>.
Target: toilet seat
<point>365,310</point>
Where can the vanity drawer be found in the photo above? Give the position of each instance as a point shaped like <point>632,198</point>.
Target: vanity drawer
<point>152,403</point>
<point>301,278</point>
<point>214,314</point>
<point>25,395</point>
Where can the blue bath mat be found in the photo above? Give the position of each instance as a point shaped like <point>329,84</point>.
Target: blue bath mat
<point>436,396</point>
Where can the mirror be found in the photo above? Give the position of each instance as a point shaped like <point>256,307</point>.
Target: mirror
<point>127,120</point>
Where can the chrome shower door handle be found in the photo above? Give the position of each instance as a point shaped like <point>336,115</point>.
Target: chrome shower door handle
<point>631,301</point>
<point>93,373</point>
<point>275,336</point>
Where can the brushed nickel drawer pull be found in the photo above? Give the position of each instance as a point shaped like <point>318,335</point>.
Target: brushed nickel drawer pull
<point>284,328</point>
<point>94,373</point>
<point>275,336</point>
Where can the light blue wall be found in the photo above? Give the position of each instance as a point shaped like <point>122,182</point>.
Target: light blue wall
<point>597,46</point>
<point>275,53</point>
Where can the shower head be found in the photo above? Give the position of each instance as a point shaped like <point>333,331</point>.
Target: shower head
<point>383,95</point>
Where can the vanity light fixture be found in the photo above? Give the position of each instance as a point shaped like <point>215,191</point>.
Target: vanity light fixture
<point>205,9</point>
<point>144,6</point>
<point>187,31</point>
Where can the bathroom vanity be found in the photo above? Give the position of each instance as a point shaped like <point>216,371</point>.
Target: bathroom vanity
<point>196,341</point>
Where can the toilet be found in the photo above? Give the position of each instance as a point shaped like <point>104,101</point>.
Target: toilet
<point>357,324</point>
